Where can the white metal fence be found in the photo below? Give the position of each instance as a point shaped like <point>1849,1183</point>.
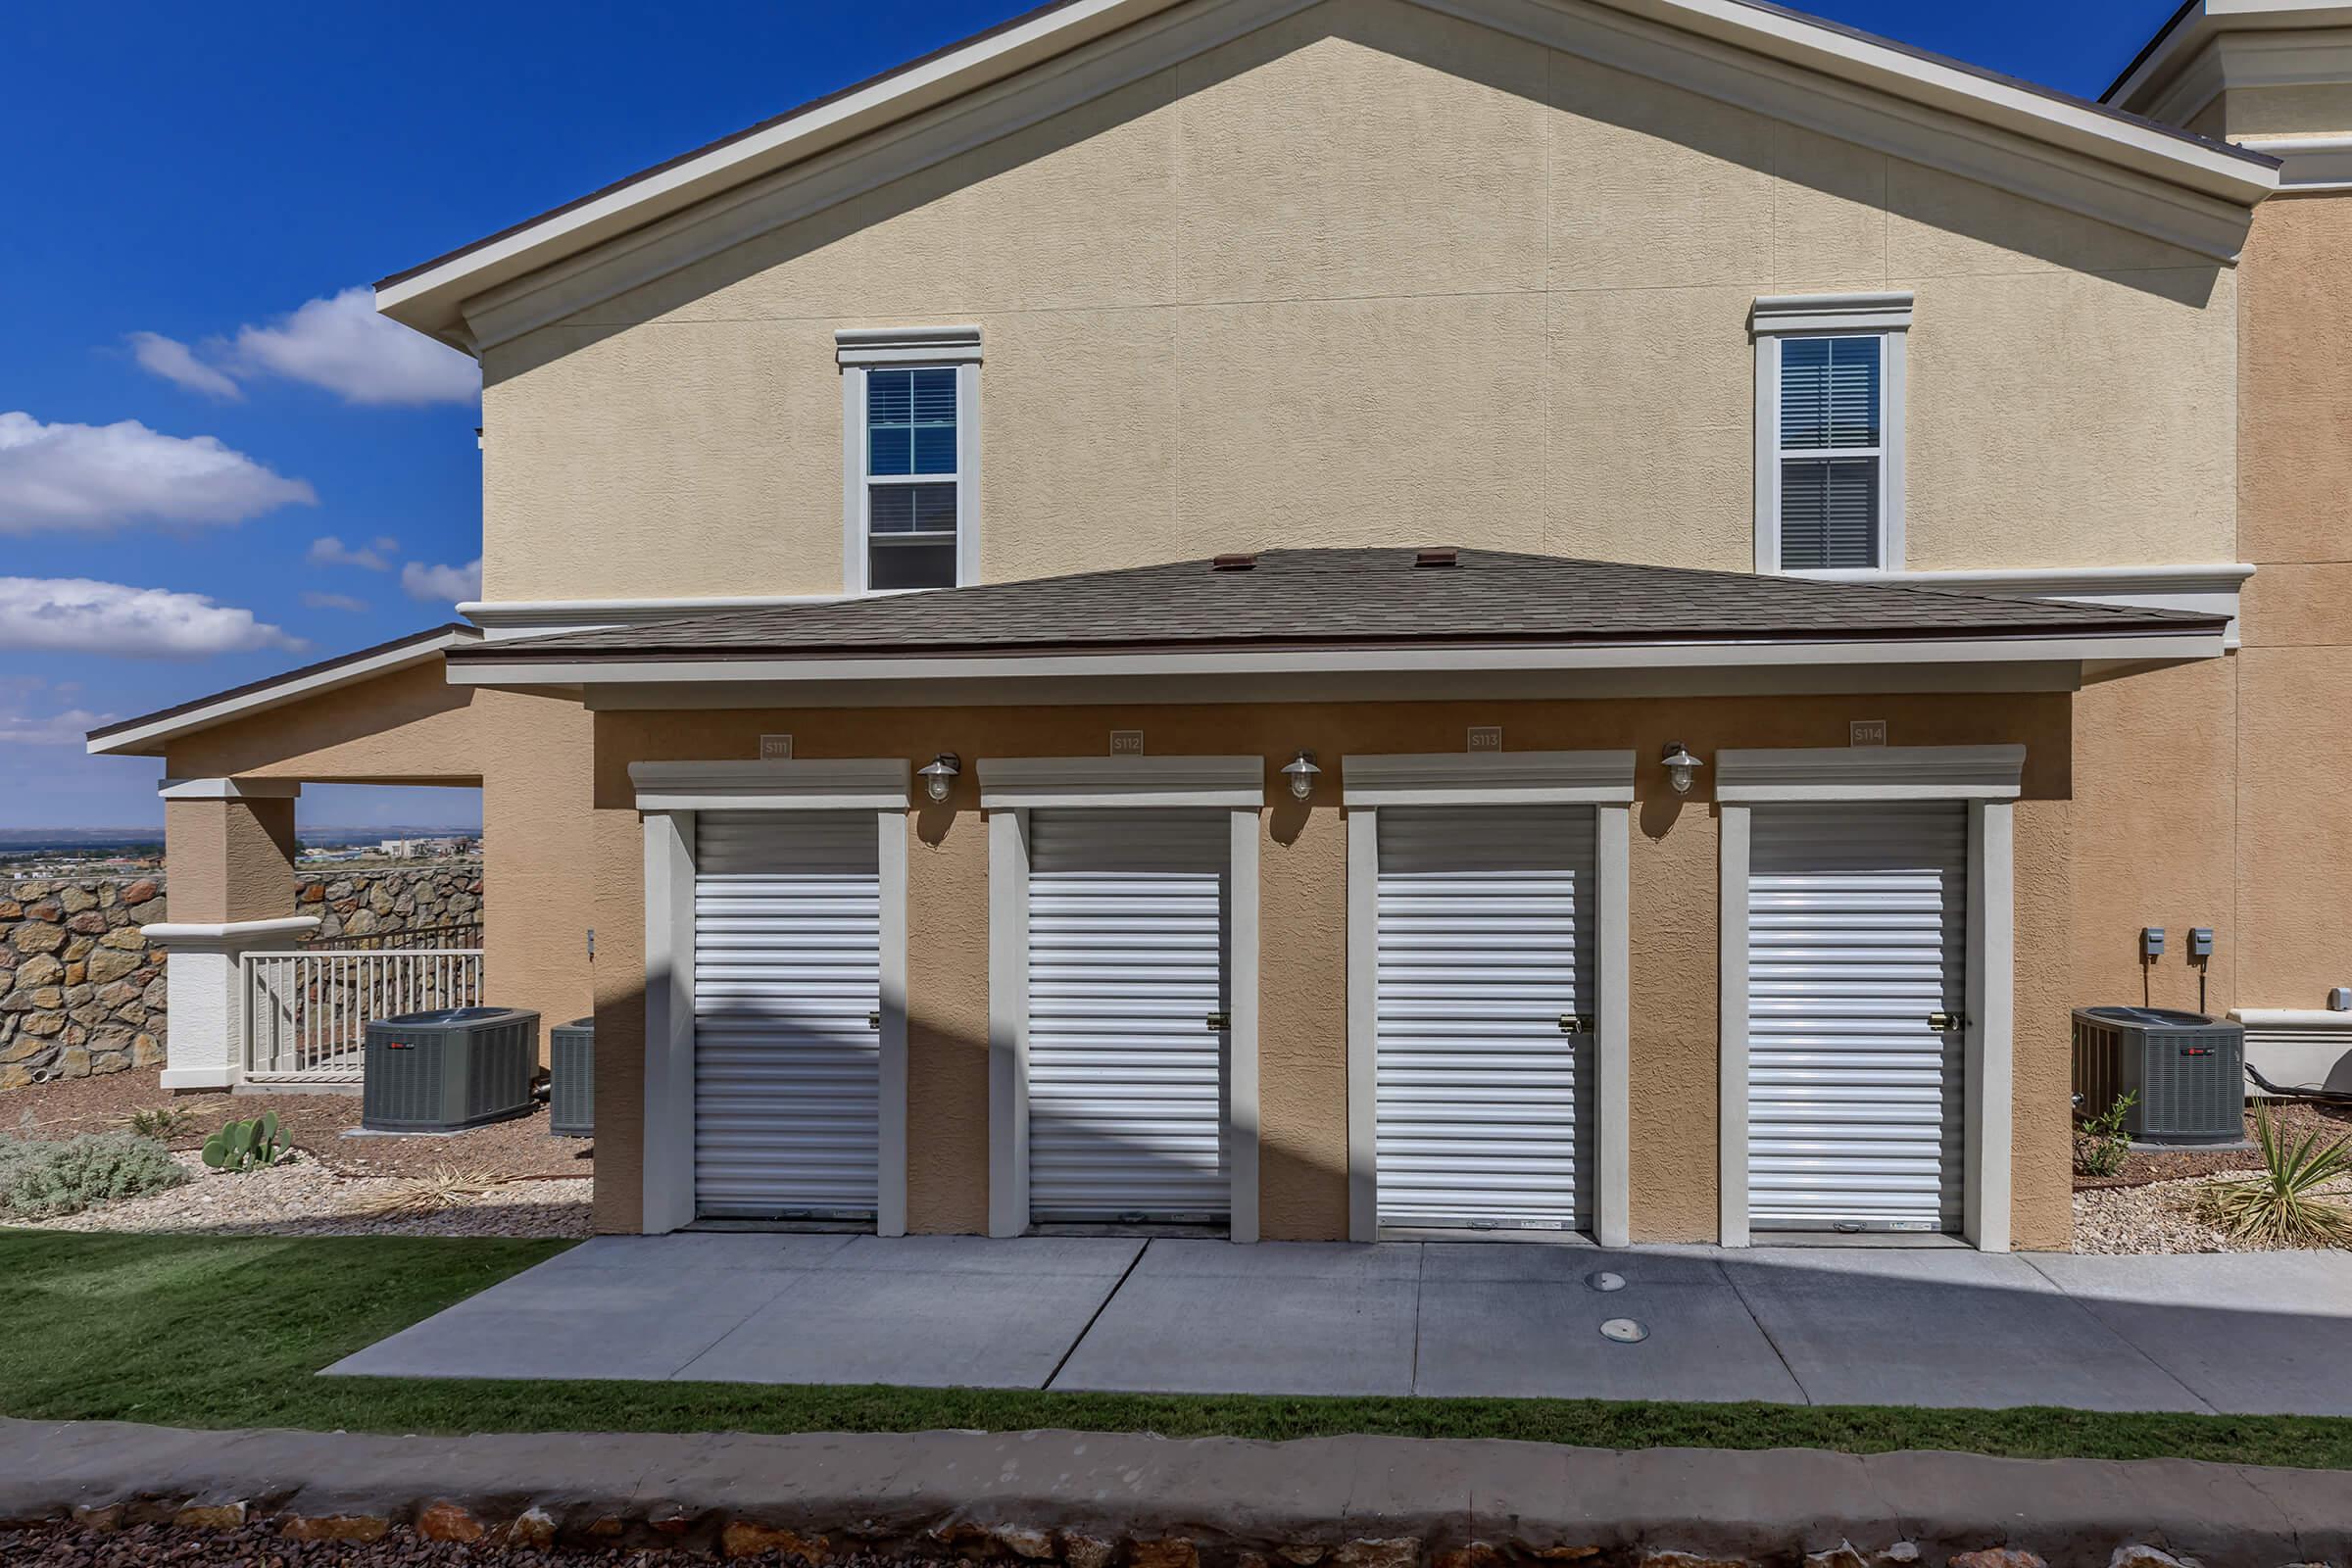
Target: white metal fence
<point>306,1013</point>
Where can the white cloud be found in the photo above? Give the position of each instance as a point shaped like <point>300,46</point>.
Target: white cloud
<point>76,614</point>
<point>92,477</point>
<point>330,551</point>
<point>447,585</point>
<point>57,730</point>
<point>319,601</point>
<point>384,543</point>
<point>176,362</point>
<point>343,345</point>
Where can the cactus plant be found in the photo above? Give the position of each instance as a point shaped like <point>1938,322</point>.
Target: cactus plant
<point>244,1146</point>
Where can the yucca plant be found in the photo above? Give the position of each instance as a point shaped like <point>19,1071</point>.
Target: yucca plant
<point>2282,1206</point>
<point>447,1187</point>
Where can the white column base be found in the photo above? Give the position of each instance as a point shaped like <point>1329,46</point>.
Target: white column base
<point>204,1017</point>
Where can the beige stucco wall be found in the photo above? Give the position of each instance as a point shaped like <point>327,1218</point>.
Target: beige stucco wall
<point>1303,926</point>
<point>1370,275</point>
<point>530,756</point>
<point>230,859</point>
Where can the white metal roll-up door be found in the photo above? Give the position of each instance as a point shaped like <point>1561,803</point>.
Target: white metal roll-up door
<point>787,978</point>
<point>1857,919</point>
<point>1126,1001</point>
<point>1486,944</point>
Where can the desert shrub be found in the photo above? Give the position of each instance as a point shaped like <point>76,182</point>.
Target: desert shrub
<point>2282,1205</point>
<point>163,1124</point>
<point>2101,1143</point>
<point>44,1180</point>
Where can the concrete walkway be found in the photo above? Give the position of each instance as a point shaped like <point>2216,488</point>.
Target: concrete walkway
<point>2247,1333</point>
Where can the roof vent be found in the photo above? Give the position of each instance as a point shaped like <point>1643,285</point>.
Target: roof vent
<point>1243,560</point>
<point>1434,558</point>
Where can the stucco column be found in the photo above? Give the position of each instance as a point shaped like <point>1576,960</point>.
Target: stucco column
<point>228,851</point>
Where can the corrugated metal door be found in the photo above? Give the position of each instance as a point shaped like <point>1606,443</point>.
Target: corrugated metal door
<point>787,980</point>
<point>1126,1014</point>
<point>1486,943</point>
<point>1857,934</point>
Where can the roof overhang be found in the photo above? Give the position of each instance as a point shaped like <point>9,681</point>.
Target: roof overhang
<point>2147,85</point>
<point>148,734</point>
<point>2199,178</point>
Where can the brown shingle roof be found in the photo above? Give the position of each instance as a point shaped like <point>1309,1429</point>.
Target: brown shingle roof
<point>1347,597</point>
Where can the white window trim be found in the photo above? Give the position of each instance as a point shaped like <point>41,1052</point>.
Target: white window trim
<point>1603,780</point>
<point>668,794</point>
<point>1989,779</point>
<point>1010,789</point>
<point>854,350</point>
<point>1778,317</point>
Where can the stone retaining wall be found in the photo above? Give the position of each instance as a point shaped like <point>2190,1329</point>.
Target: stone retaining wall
<point>81,992</point>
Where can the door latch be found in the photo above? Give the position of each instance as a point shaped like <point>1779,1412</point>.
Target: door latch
<point>1576,1023</point>
<point>874,1020</point>
<point>1217,1022</point>
<point>1946,1022</point>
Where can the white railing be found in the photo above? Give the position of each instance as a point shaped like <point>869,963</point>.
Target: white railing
<point>306,1014</point>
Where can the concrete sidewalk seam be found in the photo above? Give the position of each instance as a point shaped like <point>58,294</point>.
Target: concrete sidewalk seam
<point>2103,1326</point>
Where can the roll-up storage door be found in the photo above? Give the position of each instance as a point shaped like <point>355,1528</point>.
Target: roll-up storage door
<point>1857,937</point>
<point>787,987</point>
<point>1485,999</point>
<point>1127,1037</point>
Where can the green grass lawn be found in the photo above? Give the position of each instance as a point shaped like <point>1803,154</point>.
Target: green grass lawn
<point>205,1332</point>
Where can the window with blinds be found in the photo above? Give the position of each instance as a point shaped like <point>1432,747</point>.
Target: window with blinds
<point>911,477</point>
<point>1831,452</point>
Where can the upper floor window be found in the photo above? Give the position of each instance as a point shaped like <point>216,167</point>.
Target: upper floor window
<point>1829,432</point>
<point>911,457</point>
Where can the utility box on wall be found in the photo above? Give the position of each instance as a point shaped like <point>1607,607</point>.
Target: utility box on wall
<point>2187,1072</point>
<point>436,1072</point>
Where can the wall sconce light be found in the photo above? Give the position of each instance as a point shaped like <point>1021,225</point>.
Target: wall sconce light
<point>938,774</point>
<point>1301,771</point>
<point>1681,766</point>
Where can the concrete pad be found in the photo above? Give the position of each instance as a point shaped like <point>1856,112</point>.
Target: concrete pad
<point>1569,1265</point>
<point>1312,1318</point>
<point>730,1252</point>
<point>1944,1329</point>
<point>1530,1337</point>
<point>621,1325</point>
<point>2249,1333</point>
<point>1080,1256</point>
<point>931,1329</point>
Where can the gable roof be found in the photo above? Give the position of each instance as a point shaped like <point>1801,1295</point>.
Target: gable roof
<point>145,735</point>
<point>431,296</point>
<point>1347,600</point>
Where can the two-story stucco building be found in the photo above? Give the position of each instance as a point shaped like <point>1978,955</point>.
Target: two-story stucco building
<point>1372,616</point>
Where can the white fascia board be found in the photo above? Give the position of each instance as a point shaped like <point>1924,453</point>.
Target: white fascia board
<point>2168,646</point>
<point>2210,588</point>
<point>1015,783</point>
<point>1748,777</point>
<point>2309,163</point>
<point>2192,33</point>
<point>807,784</point>
<point>1486,778</point>
<point>230,789</point>
<point>436,298</point>
<point>146,738</point>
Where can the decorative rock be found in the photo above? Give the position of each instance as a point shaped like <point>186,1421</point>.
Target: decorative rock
<point>139,892</point>
<point>1567,1553</point>
<point>1025,1541</point>
<point>35,936</point>
<point>1691,1559</point>
<point>1306,1553</point>
<point>1473,1554</point>
<point>129,938</point>
<point>1172,1551</point>
<point>76,900</point>
<point>1998,1558</point>
<point>110,964</point>
<point>46,910</point>
<point>2137,1555</point>
<point>211,1516</point>
<point>743,1538</point>
<point>146,1050</point>
<point>1404,1551</point>
<point>358,1528</point>
<point>447,1521</point>
<point>39,970</point>
<point>89,923</point>
<point>1087,1552</point>
<point>106,1519</point>
<point>1900,1555</point>
<point>533,1527</point>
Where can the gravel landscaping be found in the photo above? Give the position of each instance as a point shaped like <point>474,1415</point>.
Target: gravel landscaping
<point>263,1547</point>
<point>305,1197</point>
<point>2158,1217</point>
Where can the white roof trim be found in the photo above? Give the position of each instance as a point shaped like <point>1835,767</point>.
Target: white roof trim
<point>1869,773</point>
<point>1776,315</point>
<point>1009,783</point>
<point>2310,162</point>
<point>144,739</point>
<point>1486,778</point>
<point>803,784</point>
<point>230,789</point>
<point>434,298</point>
<point>2190,36</point>
<point>2178,645</point>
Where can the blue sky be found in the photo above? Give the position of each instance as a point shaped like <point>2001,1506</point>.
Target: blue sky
<point>186,406</point>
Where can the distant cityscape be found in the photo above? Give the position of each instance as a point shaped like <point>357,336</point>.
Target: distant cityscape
<point>50,852</point>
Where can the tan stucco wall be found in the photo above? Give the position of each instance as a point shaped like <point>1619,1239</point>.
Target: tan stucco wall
<point>1370,275</point>
<point>230,859</point>
<point>528,755</point>
<point>1303,925</point>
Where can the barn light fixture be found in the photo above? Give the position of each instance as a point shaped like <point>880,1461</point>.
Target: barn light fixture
<point>938,774</point>
<point>1681,766</point>
<point>1301,771</point>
